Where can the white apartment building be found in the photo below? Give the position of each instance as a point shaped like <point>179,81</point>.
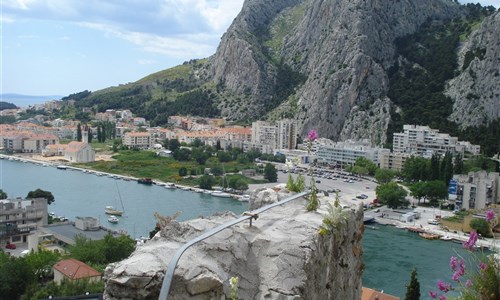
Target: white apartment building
<point>140,140</point>
<point>424,141</point>
<point>274,136</point>
<point>19,217</point>
<point>345,153</point>
<point>477,190</point>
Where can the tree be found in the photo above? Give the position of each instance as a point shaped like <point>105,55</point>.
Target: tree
<point>458,167</point>
<point>436,190</point>
<point>434,168</point>
<point>480,226</point>
<point>90,135</point>
<point>270,173</point>
<point>391,194</point>
<point>38,193</point>
<point>79,132</point>
<point>224,156</point>
<point>41,262</point>
<point>418,190</point>
<point>206,182</point>
<point>173,144</point>
<point>197,143</point>
<point>384,175</point>
<point>237,183</point>
<point>182,154</point>
<point>368,165</point>
<point>3,195</point>
<point>99,134</point>
<point>216,170</point>
<point>413,288</point>
<point>447,167</point>
<point>200,156</point>
<point>15,276</point>
<point>183,171</point>
<point>117,248</point>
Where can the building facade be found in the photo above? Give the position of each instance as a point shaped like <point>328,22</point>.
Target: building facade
<point>345,153</point>
<point>20,217</point>
<point>477,190</point>
<point>139,140</point>
<point>424,141</point>
<point>269,137</point>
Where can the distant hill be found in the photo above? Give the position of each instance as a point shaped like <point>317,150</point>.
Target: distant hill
<point>7,105</point>
<point>27,100</point>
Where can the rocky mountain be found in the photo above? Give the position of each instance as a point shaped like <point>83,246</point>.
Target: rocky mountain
<point>476,92</point>
<point>347,68</point>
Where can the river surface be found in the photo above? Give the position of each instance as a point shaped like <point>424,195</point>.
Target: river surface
<point>389,253</point>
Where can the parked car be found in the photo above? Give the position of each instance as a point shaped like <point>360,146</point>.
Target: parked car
<point>10,246</point>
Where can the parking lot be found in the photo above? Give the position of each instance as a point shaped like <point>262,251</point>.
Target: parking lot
<point>351,188</point>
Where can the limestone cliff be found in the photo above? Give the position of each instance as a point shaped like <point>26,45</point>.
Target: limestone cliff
<point>338,52</point>
<point>476,91</point>
<point>281,256</point>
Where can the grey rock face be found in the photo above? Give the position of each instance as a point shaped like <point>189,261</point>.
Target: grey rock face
<point>343,48</point>
<point>476,91</point>
<point>281,256</point>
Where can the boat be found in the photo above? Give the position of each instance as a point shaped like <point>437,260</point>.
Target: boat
<point>429,236</point>
<point>113,219</point>
<point>245,198</point>
<point>221,194</point>
<point>147,181</point>
<point>62,167</point>
<point>110,210</point>
<point>446,238</point>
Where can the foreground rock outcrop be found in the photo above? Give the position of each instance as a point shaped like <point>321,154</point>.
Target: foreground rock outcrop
<point>281,256</point>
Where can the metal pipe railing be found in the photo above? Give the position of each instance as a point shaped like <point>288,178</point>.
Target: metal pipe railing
<point>169,275</point>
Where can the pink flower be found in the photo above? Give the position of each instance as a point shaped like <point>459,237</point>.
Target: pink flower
<point>313,135</point>
<point>468,283</point>
<point>490,215</point>
<point>483,266</point>
<point>456,276</point>
<point>453,263</point>
<point>471,242</point>
<point>433,294</point>
<point>443,297</point>
<point>443,286</point>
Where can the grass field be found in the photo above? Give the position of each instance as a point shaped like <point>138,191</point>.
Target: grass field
<point>146,164</point>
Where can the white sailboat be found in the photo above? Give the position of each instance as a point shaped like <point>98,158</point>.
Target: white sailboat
<point>110,210</point>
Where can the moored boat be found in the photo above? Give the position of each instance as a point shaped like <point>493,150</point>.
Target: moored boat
<point>221,194</point>
<point>113,219</point>
<point>110,210</point>
<point>429,236</point>
<point>147,181</point>
<point>446,238</point>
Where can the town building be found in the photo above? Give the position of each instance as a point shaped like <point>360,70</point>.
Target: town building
<point>37,142</point>
<point>138,140</point>
<point>340,154</point>
<point>424,141</point>
<point>80,152</point>
<point>393,161</point>
<point>19,217</point>
<point>268,137</point>
<point>72,269</point>
<point>476,190</point>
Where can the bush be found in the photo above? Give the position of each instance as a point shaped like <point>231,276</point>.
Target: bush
<point>481,226</point>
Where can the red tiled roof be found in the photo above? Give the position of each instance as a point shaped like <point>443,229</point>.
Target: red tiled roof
<point>75,269</point>
<point>370,294</point>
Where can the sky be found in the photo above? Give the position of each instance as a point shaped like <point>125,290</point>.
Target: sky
<point>59,47</point>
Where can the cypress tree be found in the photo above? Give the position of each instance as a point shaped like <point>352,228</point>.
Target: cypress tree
<point>79,132</point>
<point>413,288</point>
